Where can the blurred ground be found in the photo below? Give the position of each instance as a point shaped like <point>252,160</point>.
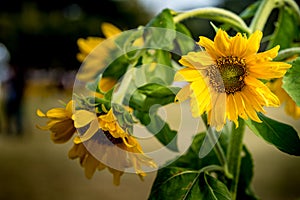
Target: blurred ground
<point>32,167</point>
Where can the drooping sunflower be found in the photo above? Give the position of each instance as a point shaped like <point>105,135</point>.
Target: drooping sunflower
<point>291,107</point>
<point>60,123</point>
<point>225,79</point>
<point>114,148</point>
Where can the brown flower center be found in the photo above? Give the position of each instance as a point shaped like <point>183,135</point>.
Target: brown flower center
<point>228,74</point>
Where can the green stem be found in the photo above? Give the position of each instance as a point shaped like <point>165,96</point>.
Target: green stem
<point>234,155</point>
<point>217,14</point>
<point>262,14</point>
<point>287,53</point>
<point>211,134</point>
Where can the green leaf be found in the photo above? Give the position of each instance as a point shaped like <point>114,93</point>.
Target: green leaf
<point>117,68</point>
<point>286,29</point>
<point>281,135</point>
<point>161,38</point>
<point>212,188</point>
<point>176,183</point>
<point>159,127</point>
<point>188,184</point>
<point>291,81</point>
<point>151,94</point>
<point>185,45</point>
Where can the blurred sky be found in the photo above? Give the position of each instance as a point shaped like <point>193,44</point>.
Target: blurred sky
<point>154,6</point>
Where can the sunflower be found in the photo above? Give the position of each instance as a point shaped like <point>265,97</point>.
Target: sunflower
<point>97,57</point>
<point>224,81</point>
<point>60,123</point>
<point>291,107</point>
<point>106,139</point>
<point>86,46</point>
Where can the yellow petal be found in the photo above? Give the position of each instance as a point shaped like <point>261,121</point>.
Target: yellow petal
<point>90,165</point>
<point>253,43</point>
<point>187,74</point>
<point>218,110</point>
<point>57,113</point>
<point>197,60</point>
<point>232,110</point>
<point>69,107</point>
<point>240,105</point>
<point>222,43</point>
<point>209,47</point>
<point>239,45</point>
<point>262,56</point>
<point>268,70</point>
<point>90,132</point>
<point>183,94</point>
<point>109,30</point>
<point>82,118</point>
<point>40,113</point>
<point>249,108</point>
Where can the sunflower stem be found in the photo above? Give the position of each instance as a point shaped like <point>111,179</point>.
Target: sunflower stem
<point>262,14</point>
<point>211,134</point>
<point>287,53</point>
<point>216,14</point>
<point>234,152</point>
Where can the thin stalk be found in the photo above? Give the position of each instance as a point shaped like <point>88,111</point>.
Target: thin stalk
<point>217,14</point>
<point>288,53</point>
<point>234,157</point>
<point>262,14</point>
<point>211,134</point>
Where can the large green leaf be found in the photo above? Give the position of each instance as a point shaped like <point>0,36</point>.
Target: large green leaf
<point>176,183</point>
<point>181,184</point>
<point>286,29</point>
<point>291,81</point>
<point>281,135</point>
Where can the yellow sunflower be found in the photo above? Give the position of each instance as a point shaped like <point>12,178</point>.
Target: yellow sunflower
<point>86,46</point>
<point>291,107</point>
<point>60,123</point>
<point>97,57</point>
<point>107,140</point>
<point>224,81</point>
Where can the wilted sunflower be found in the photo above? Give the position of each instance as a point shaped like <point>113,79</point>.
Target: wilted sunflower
<point>224,80</point>
<point>291,107</point>
<point>60,123</point>
<point>113,147</point>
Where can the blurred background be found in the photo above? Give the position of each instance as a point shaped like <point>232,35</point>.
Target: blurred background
<point>37,68</point>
